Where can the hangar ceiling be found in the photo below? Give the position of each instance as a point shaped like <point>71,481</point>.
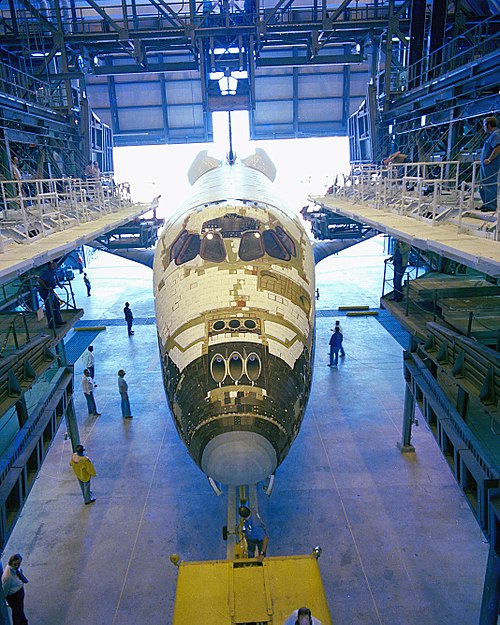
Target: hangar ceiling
<point>153,71</point>
<point>148,68</point>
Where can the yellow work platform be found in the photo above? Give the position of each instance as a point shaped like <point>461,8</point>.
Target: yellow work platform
<point>238,592</point>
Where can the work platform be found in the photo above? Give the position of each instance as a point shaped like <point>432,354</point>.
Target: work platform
<point>479,253</point>
<point>433,206</point>
<point>51,222</point>
<point>232,592</point>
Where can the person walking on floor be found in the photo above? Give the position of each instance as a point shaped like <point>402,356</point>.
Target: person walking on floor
<point>123,389</point>
<point>87,284</point>
<point>88,390</point>
<point>13,581</point>
<point>89,361</point>
<point>255,532</point>
<point>129,318</point>
<point>84,471</point>
<point>335,345</point>
<point>337,325</point>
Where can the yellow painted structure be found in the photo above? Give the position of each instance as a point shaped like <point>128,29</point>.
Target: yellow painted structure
<point>225,592</point>
<point>363,307</point>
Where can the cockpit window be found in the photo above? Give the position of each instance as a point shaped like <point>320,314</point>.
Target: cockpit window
<point>286,240</point>
<point>190,249</point>
<point>177,245</point>
<point>273,245</point>
<point>251,246</point>
<point>212,248</point>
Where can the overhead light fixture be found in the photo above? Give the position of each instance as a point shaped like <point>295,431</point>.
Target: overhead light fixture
<point>226,50</point>
<point>228,85</point>
<point>42,55</point>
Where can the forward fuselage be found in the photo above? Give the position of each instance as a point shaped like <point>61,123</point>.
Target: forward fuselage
<point>234,298</point>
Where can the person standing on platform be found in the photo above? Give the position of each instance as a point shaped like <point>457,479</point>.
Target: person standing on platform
<point>87,283</point>
<point>123,389</point>
<point>490,166</point>
<point>48,281</point>
<point>13,581</point>
<point>79,261</point>
<point>400,262</point>
<point>129,318</point>
<point>88,390</point>
<point>16,172</point>
<point>337,325</point>
<point>335,345</point>
<point>84,471</point>
<point>255,532</point>
<point>89,360</point>
<point>90,172</point>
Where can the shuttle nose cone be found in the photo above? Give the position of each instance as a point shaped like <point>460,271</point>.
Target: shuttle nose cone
<point>238,458</point>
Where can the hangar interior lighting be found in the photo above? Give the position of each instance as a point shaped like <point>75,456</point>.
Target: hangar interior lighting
<point>228,85</point>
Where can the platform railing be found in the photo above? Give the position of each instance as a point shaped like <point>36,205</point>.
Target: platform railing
<point>432,192</point>
<point>35,208</point>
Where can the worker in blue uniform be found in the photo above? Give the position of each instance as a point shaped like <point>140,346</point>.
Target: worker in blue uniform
<point>335,346</point>
<point>400,262</point>
<point>490,165</point>
<point>255,532</point>
<point>48,281</point>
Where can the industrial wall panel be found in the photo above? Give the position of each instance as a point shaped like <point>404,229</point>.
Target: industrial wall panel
<point>148,95</point>
<point>320,110</point>
<point>99,96</point>
<point>137,78</point>
<point>331,87</point>
<point>269,112</point>
<point>321,70</point>
<point>182,76</point>
<point>358,84</point>
<point>140,119</point>
<point>92,80</point>
<point>183,92</point>
<point>104,114</point>
<point>355,103</point>
<point>186,117</point>
<point>274,88</point>
<point>271,72</point>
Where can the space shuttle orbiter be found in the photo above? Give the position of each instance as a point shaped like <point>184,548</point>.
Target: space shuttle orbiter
<point>234,299</point>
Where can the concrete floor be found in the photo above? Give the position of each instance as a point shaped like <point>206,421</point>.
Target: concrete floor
<point>400,545</point>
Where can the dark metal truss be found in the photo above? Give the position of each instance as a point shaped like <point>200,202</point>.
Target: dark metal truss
<point>281,36</point>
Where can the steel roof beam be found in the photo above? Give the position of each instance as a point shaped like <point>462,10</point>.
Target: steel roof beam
<point>52,28</point>
<point>297,61</point>
<point>115,70</point>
